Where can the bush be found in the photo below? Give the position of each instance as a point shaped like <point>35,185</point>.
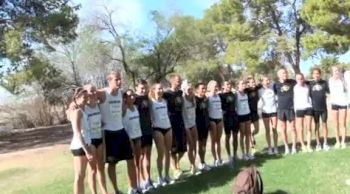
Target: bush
<point>31,114</point>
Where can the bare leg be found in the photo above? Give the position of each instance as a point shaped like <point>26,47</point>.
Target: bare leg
<point>342,122</point>
<point>80,163</point>
<point>218,140</point>
<point>335,115</point>
<point>213,134</point>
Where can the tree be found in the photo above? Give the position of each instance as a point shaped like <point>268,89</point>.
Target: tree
<point>331,23</point>
<point>178,43</point>
<point>260,34</point>
<point>25,25</point>
<point>124,47</point>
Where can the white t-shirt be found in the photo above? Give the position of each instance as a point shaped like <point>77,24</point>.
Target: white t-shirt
<point>131,121</point>
<point>347,83</point>
<point>242,104</point>
<point>337,92</point>
<point>94,119</point>
<point>267,100</point>
<point>111,111</point>
<point>189,113</point>
<point>214,107</point>
<point>85,132</point>
<point>301,97</point>
<point>160,115</point>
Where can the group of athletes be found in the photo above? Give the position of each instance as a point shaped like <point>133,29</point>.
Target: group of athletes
<point>110,126</point>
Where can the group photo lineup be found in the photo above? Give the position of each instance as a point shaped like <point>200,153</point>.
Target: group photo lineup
<point>169,97</point>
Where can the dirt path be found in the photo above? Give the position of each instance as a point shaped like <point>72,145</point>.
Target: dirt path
<point>20,140</point>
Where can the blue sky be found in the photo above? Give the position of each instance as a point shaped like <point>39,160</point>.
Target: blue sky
<point>134,15</point>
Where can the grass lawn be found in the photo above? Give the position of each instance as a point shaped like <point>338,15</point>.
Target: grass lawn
<point>50,171</point>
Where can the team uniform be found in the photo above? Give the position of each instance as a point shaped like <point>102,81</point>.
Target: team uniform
<point>189,113</point>
<point>175,104</point>
<point>338,97</point>
<point>228,105</point>
<point>202,118</point>
<point>75,146</point>
<point>267,102</point>
<point>143,106</point>
<point>117,140</point>
<point>131,121</point>
<point>94,120</point>
<point>242,107</point>
<point>214,108</point>
<point>302,101</point>
<point>253,99</point>
<point>318,93</point>
<point>160,117</point>
<point>285,103</point>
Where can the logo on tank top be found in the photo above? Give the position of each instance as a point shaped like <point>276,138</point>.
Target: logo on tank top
<point>229,99</point>
<point>178,100</point>
<point>145,104</point>
<point>317,87</point>
<point>253,94</point>
<point>203,105</point>
<point>285,88</point>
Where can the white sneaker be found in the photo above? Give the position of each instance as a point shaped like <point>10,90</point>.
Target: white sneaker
<point>326,147</point>
<point>203,167</point>
<point>133,191</point>
<point>294,150</point>
<point>286,150</point>
<point>161,182</point>
<point>318,148</point>
<point>168,181</point>
<point>342,146</point>
<point>245,157</point>
<point>220,162</point>
<point>275,151</point>
<point>250,157</point>
<point>270,151</point>
<point>206,167</point>
<point>309,149</point>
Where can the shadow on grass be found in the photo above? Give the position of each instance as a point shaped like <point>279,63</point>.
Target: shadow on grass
<point>278,192</point>
<point>215,178</point>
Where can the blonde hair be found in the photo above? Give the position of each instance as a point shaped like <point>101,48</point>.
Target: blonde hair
<point>151,94</point>
<point>211,85</point>
<point>113,74</point>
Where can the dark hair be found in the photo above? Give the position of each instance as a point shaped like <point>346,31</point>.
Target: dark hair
<point>316,69</point>
<point>198,84</point>
<point>125,94</point>
<point>228,81</point>
<point>78,92</point>
<point>141,82</point>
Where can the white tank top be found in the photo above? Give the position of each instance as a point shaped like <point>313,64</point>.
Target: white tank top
<point>131,121</point>
<point>268,100</point>
<point>111,111</point>
<point>301,97</point>
<point>214,107</point>
<point>189,113</point>
<point>159,114</point>
<point>85,132</point>
<point>347,83</point>
<point>242,104</point>
<point>94,120</point>
<point>337,92</point>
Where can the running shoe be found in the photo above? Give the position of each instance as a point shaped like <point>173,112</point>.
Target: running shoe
<point>270,152</point>
<point>326,147</point>
<point>318,148</point>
